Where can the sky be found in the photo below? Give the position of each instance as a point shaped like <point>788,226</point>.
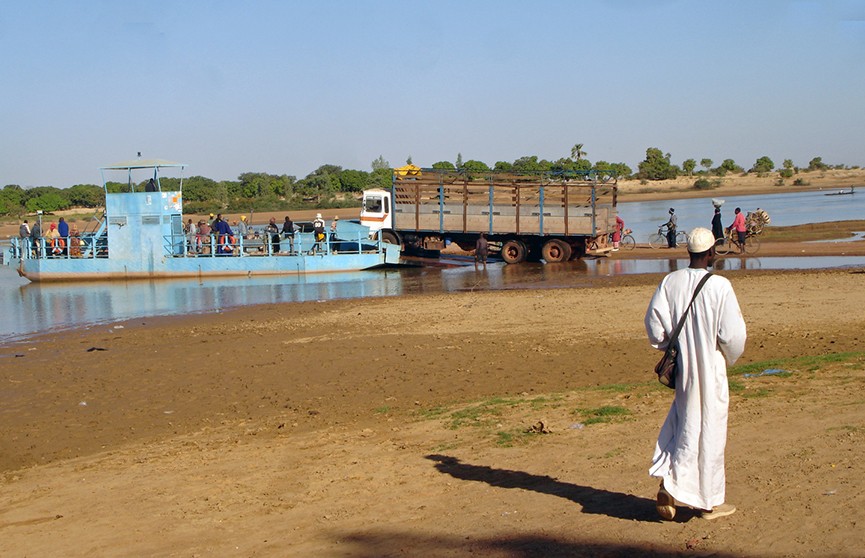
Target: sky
<point>284,87</point>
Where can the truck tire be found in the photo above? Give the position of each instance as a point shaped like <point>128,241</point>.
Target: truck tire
<point>390,237</point>
<point>513,251</point>
<point>555,251</point>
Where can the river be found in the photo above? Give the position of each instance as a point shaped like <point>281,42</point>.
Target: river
<point>29,309</point>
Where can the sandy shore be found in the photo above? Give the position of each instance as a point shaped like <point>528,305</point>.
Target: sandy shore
<point>512,424</point>
<point>386,427</point>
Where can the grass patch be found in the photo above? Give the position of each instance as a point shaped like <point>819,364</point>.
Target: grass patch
<point>480,414</point>
<point>755,393</point>
<point>809,363</point>
<point>812,231</point>
<point>382,410</point>
<point>616,388</point>
<point>607,413</point>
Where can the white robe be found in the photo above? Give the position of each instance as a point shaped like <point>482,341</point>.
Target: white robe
<point>689,455</point>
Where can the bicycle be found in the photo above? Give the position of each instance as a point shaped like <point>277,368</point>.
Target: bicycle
<point>627,241</point>
<point>730,241</point>
<point>658,239</point>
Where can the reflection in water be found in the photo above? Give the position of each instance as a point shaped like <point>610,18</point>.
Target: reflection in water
<point>33,308</point>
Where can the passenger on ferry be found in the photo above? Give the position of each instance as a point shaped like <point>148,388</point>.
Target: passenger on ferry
<point>191,236</point>
<point>55,243</point>
<point>36,239</point>
<point>63,229</point>
<point>272,232</point>
<point>23,237</point>
<point>288,232</point>
<point>333,225</point>
<point>243,227</point>
<point>318,230</point>
<point>75,241</point>
<point>203,237</point>
<point>226,235</point>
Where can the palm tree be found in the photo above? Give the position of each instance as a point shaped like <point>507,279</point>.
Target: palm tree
<point>577,152</point>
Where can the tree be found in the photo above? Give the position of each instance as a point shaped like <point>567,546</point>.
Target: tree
<point>688,166</point>
<point>11,199</point>
<point>577,152</point>
<point>444,165</point>
<point>619,169</point>
<point>475,166</point>
<point>528,164</point>
<point>380,163</point>
<point>656,166</point>
<point>353,180</point>
<point>459,162</point>
<point>763,165</point>
<point>706,164</point>
<point>727,166</point>
<point>408,160</point>
<point>45,198</point>
<point>817,164</point>
<point>503,166</point>
<point>85,195</point>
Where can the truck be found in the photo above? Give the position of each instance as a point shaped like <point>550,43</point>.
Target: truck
<point>554,216</point>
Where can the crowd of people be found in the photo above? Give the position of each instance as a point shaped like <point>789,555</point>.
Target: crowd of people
<point>217,235</point>
<point>61,239</point>
<point>206,236</point>
<point>742,225</point>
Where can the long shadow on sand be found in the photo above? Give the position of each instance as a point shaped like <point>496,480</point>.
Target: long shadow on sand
<point>592,500</point>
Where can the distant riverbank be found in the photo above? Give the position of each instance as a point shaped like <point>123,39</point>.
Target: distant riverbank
<point>683,187</point>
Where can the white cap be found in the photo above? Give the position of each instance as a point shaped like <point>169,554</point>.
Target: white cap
<point>700,240</point>
<point>318,215</point>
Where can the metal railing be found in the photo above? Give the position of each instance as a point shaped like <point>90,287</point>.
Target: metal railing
<point>61,247</point>
<point>216,245</point>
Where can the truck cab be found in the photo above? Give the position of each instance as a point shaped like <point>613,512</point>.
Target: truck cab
<point>377,214</point>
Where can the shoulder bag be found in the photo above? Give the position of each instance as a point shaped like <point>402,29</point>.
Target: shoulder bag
<point>667,368</point>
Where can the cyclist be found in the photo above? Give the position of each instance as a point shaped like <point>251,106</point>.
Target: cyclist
<point>740,228</point>
<point>671,229</point>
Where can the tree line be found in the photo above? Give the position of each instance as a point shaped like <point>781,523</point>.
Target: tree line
<point>331,186</point>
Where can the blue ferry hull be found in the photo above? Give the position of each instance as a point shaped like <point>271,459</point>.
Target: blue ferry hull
<point>77,269</point>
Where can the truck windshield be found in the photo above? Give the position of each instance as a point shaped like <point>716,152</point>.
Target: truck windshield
<point>372,204</point>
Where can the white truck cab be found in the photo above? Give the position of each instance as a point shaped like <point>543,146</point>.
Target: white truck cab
<point>377,210</point>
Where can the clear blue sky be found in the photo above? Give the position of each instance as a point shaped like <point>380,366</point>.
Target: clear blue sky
<point>286,86</point>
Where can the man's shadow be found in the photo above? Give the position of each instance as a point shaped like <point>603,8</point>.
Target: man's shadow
<point>592,500</point>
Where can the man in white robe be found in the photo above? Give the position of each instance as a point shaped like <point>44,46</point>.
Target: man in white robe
<point>689,455</point>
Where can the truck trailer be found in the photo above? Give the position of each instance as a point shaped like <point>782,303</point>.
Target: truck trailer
<point>554,216</point>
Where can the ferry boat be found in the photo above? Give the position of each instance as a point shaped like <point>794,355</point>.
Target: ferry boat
<point>141,236</point>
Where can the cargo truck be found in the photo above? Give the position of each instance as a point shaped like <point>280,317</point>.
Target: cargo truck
<point>554,216</point>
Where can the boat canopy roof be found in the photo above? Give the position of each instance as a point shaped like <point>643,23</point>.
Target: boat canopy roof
<point>143,164</point>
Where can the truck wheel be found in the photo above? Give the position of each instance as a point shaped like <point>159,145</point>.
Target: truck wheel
<point>556,251</point>
<point>390,237</point>
<point>513,251</point>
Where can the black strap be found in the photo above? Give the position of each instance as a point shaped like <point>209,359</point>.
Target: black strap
<point>685,315</point>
